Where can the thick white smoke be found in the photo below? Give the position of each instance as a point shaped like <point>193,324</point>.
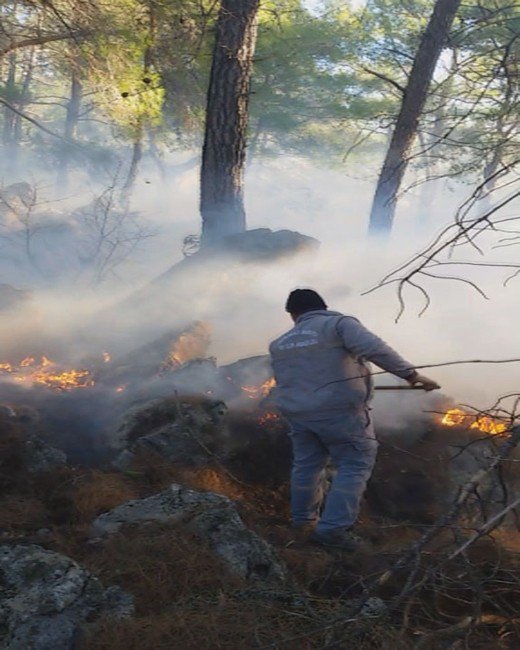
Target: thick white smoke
<point>244,302</point>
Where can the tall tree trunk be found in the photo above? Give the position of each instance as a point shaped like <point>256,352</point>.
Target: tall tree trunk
<point>503,130</point>
<point>25,94</point>
<point>137,154</point>
<point>223,153</point>
<point>156,154</point>
<point>8,137</point>
<point>414,98</point>
<point>430,188</point>
<point>137,148</point>
<point>71,126</point>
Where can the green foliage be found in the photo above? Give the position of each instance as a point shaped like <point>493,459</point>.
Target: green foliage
<point>128,89</point>
<point>325,82</point>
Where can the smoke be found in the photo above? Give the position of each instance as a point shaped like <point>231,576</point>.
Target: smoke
<point>243,301</point>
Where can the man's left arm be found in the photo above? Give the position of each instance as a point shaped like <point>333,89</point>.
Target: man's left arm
<point>362,342</point>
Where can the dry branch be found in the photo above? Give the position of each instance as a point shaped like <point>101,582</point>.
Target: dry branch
<point>463,231</point>
<point>38,40</point>
<point>486,528</point>
<point>36,123</point>
<point>410,557</point>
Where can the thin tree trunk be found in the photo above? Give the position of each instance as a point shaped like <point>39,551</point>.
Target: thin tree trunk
<point>156,154</point>
<point>24,97</point>
<point>503,131</point>
<point>256,141</point>
<point>137,149</point>
<point>223,154</point>
<point>431,186</point>
<point>71,126</point>
<point>137,154</point>
<point>416,92</point>
<point>9,116</point>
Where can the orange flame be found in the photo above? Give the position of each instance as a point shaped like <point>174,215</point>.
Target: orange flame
<point>63,380</point>
<point>191,344</point>
<point>46,373</point>
<point>484,423</point>
<point>268,418</point>
<point>256,392</point>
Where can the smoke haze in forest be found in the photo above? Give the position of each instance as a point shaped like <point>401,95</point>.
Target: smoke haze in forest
<point>244,303</point>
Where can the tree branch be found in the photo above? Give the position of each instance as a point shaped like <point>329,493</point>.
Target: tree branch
<point>383,77</point>
<point>37,40</point>
<point>36,123</point>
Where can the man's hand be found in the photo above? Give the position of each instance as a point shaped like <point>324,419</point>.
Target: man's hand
<point>425,382</point>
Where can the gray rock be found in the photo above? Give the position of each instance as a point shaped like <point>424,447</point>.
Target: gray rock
<point>7,412</point>
<point>46,598</point>
<point>373,608</point>
<point>172,442</point>
<point>41,457</point>
<point>266,244</point>
<point>245,553</point>
<point>209,516</point>
<point>43,534</point>
<point>180,431</point>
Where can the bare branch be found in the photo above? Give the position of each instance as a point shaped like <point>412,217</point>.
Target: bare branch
<point>38,40</point>
<point>383,77</point>
<point>36,123</point>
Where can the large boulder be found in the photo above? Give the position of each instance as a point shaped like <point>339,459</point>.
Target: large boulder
<point>46,598</point>
<point>181,430</point>
<point>41,457</point>
<point>22,450</point>
<point>211,517</point>
<point>265,244</point>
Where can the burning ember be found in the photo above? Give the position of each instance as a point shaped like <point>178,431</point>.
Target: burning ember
<point>48,373</point>
<point>256,392</point>
<point>268,418</point>
<point>484,423</point>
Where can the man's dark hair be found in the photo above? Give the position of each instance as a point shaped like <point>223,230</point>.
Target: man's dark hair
<point>304,300</point>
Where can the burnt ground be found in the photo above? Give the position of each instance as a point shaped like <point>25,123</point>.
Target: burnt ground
<point>185,598</point>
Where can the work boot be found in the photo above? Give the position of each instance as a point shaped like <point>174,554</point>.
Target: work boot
<point>343,541</point>
<point>303,527</point>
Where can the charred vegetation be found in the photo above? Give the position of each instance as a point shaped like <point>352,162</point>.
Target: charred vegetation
<point>239,450</point>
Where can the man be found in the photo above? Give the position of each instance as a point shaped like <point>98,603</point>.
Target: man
<point>323,387</point>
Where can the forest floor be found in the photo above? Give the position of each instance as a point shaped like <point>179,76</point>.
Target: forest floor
<point>186,598</point>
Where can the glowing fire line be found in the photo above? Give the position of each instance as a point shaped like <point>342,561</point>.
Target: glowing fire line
<point>484,423</point>
<point>47,373</point>
<point>256,392</point>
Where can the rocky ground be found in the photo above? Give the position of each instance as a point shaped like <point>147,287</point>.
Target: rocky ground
<point>182,540</point>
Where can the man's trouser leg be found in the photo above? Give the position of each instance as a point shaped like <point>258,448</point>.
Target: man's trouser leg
<point>307,477</point>
<point>351,443</point>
